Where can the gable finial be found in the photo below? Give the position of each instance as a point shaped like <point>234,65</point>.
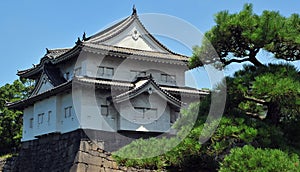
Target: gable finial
<point>133,10</point>
<point>47,51</point>
<point>84,36</point>
<point>78,41</point>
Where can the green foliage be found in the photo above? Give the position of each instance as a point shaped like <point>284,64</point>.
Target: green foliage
<point>7,156</point>
<point>236,128</point>
<point>262,106</point>
<point>250,159</point>
<point>271,91</point>
<point>148,153</point>
<point>10,120</point>
<point>185,151</point>
<point>240,36</point>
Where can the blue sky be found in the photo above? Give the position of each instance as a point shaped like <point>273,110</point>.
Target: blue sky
<point>28,27</point>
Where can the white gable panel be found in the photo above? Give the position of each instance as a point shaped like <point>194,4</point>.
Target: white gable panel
<point>43,85</point>
<point>128,42</point>
<point>135,37</point>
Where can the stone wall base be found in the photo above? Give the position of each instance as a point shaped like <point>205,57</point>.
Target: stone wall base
<point>72,151</point>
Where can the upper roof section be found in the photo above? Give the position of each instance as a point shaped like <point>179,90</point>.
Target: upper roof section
<point>128,37</point>
<point>129,33</point>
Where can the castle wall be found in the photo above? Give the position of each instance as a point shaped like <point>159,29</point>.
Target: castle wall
<point>73,151</point>
<point>45,116</point>
<point>68,118</point>
<point>123,67</point>
<point>28,133</point>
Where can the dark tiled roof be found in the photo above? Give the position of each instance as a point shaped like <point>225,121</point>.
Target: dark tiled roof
<point>130,51</point>
<point>56,52</point>
<point>185,90</point>
<point>95,41</point>
<point>104,82</point>
<point>31,100</point>
<point>130,85</point>
<point>53,56</point>
<point>111,31</point>
<point>130,88</point>
<point>139,85</point>
<point>121,26</point>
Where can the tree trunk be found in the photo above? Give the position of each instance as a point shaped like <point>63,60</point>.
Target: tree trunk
<point>273,114</point>
<point>254,61</point>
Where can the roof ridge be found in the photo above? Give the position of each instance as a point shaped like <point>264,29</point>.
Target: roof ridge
<point>120,26</point>
<point>110,29</point>
<point>60,49</point>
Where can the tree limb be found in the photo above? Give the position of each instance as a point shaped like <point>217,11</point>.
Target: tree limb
<point>236,60</point>
<point>254,61</point>
<point>260,101</point>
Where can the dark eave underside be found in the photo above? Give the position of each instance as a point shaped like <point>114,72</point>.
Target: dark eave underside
<point>19,105</point>
<point>100,83</point>
<point>106,50</point>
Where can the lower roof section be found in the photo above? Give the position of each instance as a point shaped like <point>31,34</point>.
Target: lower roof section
<point>128,87</point>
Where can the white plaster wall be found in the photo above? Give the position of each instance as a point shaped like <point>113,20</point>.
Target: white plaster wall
<point>45,87</point>
<point>123,71</point>
<point>129,42</point>
<point>28,133</point>
<point>122,68</point>
<point>46,126</point>
<point>143,41</point>
<point>91,117</point>
<point>67,124</point>
<point>129,120</point>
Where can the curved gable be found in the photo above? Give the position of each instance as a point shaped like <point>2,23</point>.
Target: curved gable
<point>129,33</point>
<point>150,87</point>
<point>42,86</point>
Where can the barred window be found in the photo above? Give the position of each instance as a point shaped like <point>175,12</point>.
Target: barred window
<point>105,71</point>
<point>68,112</point>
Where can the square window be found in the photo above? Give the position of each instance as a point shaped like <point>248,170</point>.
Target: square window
<point>151,113</point>
<point>68,112</point>
<point>31,123</point>
<point>49,116</point>
<point>100,71</point>
<point>164,77</point>
<point>105,71</point>
<point>109,71</point>
<point>104,110</point>
<point>168,78</point>
<point>40,118</point>
<point>139,112</point>
<point>171,78</point>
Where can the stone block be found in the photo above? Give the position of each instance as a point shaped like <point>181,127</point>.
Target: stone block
<point>115,165</point>
<point>102,169</point>
<point>80,167</point>
<point>93,168</point>
<point>89,159</point>
<point>82,146</point>
<point>107,164</point>
<point>110,158</point>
